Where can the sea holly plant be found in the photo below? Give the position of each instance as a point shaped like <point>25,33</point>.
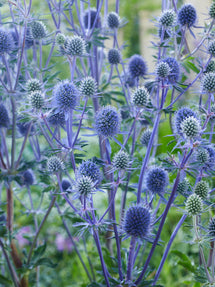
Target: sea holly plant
<point>101,155</point>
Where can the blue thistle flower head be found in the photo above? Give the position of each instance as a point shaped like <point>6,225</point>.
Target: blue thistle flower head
<point>66,95</point>
<point>137,221</point>
<point>210,67</point>
<point>113,20</point>
<point>6,42</point>
<point>57,119</point>
<point>187,15</point>
<point>75,46</point>
<point>28,177</point>
<point>211,48</point>
<point>174,74</point>
<point>190,127</point>
<point>107,122</point>
<point>211,227</point>
<point>137,66</point>
<point>194,204</point>
<point>181,115</point>
<point>91,15</point>
<point>65,184</point>
<point>85,185</point>
<point>208,82</point>
<point>90,169</point>
<point>157,180</point>
<point>38,30</point>
<point>4,117</point>
<point>114,56</point>
<point>23,126</point>
<point>211,162</point>
<point>167,18</point>
<point>212,10</point>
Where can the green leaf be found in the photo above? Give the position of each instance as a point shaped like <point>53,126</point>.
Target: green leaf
<point>45,262</point>
<point>5,281</point>
<point>38,252</point>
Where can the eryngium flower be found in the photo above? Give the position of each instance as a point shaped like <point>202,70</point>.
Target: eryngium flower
<point>85,185</point>
<point>167,18</point>
<point>194,204</point>
<point>6,42</point>
<point>65,184</point>
<point>113,20</point>
<point>107,122</point>
<point>37,100</point>
<point>156,180</point>
<point>181,115</point>
<point>140,97</point>
<point>166,34</point>
<point>57,119</point>
<point>114,56</point>
<point>202,156</point>
<point>163,70</point>
<point>202,189</point>
<point>90,169</point>
<point>211,161</point>
<point>33,85</point>
<point>137,221</point>
<point>121,160</point>
<point>137,66</point>
<point>187,15</point>
<point>211,48</point>
<point>208,82</point>
<point>211,227</point>
<point>210,67</point>
<point>212,10</point>
<point>183,188</point>
<point>4,118</point>
<point>66,95</point>
<point>54,164</point>
<point>174,70</point>
<point>38,30</point>
<point>88,87</point>
<point>190,127</point>
<point>91,17</point>
<point>23,126</point>
<point>28,177</point>
<point>75,46</point>
<point>145,137</point>
<point>60,39</point>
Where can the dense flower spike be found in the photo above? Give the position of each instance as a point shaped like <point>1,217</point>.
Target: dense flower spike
<point>187,15</point>
<point>140,97</point>
<point>167,18</point>
<point>181,115</point>
<point>91,17</point>
<point>85,185</point>
<point>107,122</point>
<point>66,95</point>
<point>202,156</point>
<point>75,46</point>
<point>33,85</point>
<point>38,30</point>
<point>156,180</point>
<point>4,117</point>
<point>194,204</point>
<point>137,221</point>
<point>174,70</point>
<point>145,137</point>
<point>202,189</point>
<point>37,100</point>
<point>183,188</point>
<point>212,10</point>
<point>211,227</point>
<point>65,184</point>
<point>121,160</point>
<point>208,82</point>
<point>88,87</point>
<point>210,67</point>
<point>114,56</point>
<point>60,39</point>
<point>54,164</point>
<point>190,127</point>
<point>6,42</point>
<point>28,177</point>
<point>57,119</point>
<point>137,66</point>
<point>211,48</point>
<point>163,70</point>
<point>90,169</point>
<point>113,20</point>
